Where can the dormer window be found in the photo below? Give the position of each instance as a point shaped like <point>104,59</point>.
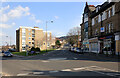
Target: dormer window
<point>97,9</point>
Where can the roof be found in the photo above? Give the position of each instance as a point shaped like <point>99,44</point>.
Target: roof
<point>102,8</point>
<point>91,7</point>
<point>29,28</point>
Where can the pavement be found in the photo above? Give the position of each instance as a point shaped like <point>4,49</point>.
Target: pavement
<point>61,63</point>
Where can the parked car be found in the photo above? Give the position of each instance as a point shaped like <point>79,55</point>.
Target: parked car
<point>7,54</point>
<point>72,48</point>
<point>78,50</point>
<point>12,50</point>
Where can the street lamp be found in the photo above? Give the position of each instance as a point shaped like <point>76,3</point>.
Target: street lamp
<point>6,40</point>
<point>46,33</point>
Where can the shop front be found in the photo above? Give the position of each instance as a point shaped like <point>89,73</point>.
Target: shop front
<point>86,46</point>
<point>108,44</point>
<point>94,45</point>
<point>117,43</point>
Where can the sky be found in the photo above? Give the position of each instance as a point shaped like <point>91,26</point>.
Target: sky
<point>65,16</point>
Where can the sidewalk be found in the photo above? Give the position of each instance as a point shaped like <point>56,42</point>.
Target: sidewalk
<point>104,57</point>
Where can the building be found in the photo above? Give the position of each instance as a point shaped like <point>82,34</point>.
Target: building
<point>85,26</point>
<point>28,37</point>
<point>104,29</point>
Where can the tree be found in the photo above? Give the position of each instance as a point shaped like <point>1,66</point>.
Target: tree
<point>73,35</point>
<point>57,43</point>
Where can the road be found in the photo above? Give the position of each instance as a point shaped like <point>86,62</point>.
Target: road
<point>60,63</point>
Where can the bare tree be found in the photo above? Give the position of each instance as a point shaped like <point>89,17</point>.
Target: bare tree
<point>73,35</point>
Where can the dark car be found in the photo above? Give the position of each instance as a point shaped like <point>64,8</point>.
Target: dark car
<point>12,50</point>
<point>7,54</point>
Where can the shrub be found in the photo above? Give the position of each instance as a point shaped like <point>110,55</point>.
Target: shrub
<point>37,49</point>
<point>32,49</point>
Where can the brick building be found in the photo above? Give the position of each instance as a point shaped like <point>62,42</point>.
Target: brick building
<point>104,28</point>
<point>33,37</point>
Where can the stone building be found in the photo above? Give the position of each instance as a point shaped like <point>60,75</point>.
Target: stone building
<point>104,29</point>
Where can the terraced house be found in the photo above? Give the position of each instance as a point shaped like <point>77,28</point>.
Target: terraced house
<point>104,29</point>
<point>33,37</point>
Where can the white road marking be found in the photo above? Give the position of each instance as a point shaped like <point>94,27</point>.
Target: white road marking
<point>78,68</point>
<point>53,71</point>
<point>37,73</point>
<point>75,58</point>
<point>24,74</point>
<point>93,68</point>
<point>57,59</point>
<point>66,70</point>
<point>105,68</point>
<point>45,61</point>
<point>4,74</point>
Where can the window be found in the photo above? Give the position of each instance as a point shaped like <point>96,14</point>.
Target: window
<point>86,27</point>
<point>23,43</point>
<point>33,35</point>
<point>29,38</point>
<point>109,28</point>
<point>32,38</point>
<point>32,42</point>
<point>104,15</point>
<point>29,33</point>
<point>85,17</point>
<point>112,28</point>
<point>29,42</point>
<point>99,18</point>
<point>97,9</point>
<point>23,48</point>
<point>96,20</point>
<point>113,10</point>
<point>29,29</point>
<point>33,31</point>
<point>106,29</point>
<point>93,22</point>
<point>109,14</point>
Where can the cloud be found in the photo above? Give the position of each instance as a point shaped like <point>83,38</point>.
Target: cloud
<point>15,13</point>
<point>32,17</point>
<point>5,26</point>
<point>1,34</point>
<point>56,17</point>
<point>18,12</point>
<point>4,18</point>
<point>4,8</point>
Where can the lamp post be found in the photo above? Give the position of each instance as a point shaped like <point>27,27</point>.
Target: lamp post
<point>6,40</point>
<point>46,33</point>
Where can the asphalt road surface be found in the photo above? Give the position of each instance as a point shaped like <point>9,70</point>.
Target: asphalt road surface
<point>60,63</point>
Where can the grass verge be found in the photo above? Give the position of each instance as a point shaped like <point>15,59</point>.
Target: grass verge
<point>24,53</point>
